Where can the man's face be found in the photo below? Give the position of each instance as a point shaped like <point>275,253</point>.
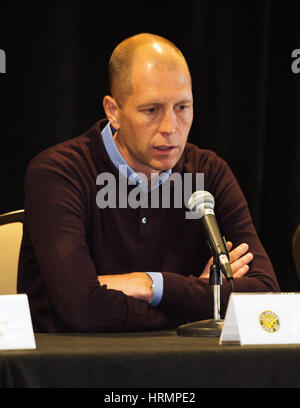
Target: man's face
<point>156,118</point>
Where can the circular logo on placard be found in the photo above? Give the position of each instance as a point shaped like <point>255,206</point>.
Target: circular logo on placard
<point>269,321</point>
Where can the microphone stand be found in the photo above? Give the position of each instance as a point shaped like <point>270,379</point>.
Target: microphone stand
<point>210,327</point>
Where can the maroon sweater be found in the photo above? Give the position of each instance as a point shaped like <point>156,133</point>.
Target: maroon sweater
<point>68,241</point>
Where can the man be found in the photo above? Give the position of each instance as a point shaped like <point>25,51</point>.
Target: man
<point>87,267</point>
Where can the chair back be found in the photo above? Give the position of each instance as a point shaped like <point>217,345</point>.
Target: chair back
<point>11,232</point>
<point>296,250</point>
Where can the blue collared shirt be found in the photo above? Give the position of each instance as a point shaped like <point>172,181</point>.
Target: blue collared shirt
<point>119,162</point>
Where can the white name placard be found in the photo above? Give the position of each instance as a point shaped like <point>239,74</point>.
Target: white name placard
<point>16,330</point>
<point>262,318</point>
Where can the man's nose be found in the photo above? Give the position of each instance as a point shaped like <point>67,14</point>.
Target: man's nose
<point>168,122</point>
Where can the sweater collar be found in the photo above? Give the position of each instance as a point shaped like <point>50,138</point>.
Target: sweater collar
<point>122,166</point>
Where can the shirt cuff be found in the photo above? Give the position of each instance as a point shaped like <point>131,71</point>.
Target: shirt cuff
<point>158,287</point>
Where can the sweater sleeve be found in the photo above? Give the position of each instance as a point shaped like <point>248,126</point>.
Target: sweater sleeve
<point>56,209</point>
<point>191,297</point>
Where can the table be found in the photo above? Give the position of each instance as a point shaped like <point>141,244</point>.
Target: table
<point>147,359</point>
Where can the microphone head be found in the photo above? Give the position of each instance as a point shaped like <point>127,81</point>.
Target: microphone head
<point>201,200</point>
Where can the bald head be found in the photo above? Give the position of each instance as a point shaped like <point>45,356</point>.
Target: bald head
<point>152,50</point>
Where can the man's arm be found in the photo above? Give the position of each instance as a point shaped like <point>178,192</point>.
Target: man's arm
<point>56,217</point>
<point>190,296</point>
<point>140,285</point>
<point>136,284</point>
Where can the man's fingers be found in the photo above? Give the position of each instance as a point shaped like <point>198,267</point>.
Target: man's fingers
<point>239,259</point>
<point>229,245</point>
<point>241,272</point>
<point>241,262</point>
<point>238,252</point>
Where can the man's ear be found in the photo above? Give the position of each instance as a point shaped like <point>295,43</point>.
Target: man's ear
<point>111,109</point>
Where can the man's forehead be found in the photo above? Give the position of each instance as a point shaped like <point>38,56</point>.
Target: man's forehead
<point>153,69</point>
<point>167,59</point>
<point>150,80</point>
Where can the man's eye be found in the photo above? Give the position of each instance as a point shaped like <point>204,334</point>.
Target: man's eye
<point>182,107</point>
<point>151,110</point>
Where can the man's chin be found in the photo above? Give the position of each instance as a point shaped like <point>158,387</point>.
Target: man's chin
<point>165,165</point>
<point>161,169</point>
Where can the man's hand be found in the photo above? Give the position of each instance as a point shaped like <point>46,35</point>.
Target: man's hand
<point>136,284</point>
<point>239,260</point>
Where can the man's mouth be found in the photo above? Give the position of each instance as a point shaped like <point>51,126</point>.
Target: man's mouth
<point>165,149</point>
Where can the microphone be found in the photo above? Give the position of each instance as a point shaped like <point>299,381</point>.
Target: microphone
<point>202,203</point>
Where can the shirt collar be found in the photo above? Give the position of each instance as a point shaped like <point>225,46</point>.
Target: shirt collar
<point>123,167</point>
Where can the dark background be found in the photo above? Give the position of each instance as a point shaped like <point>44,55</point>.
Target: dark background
<point>247,99</point>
